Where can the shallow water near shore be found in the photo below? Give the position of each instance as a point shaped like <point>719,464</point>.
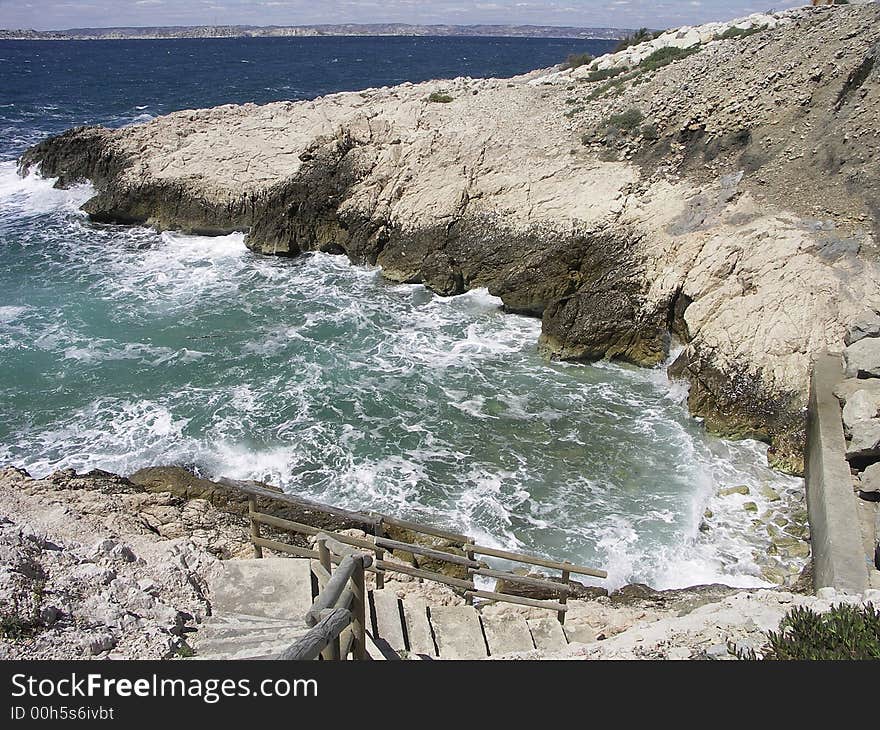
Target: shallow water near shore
<point>122,348</point>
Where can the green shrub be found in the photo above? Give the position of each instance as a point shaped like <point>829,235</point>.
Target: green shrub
<point>604,74</point>
<point>615,84</point>
<point>650,132</point>
<point>438,97</point>
<point>640,36</point>
<point>628,120</point>
<point>844,632</point>
<point>576,60</point>
<point>664,56</point>
<point>735,32</point>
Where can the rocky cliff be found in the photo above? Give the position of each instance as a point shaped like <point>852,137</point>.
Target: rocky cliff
<point>718,185</point>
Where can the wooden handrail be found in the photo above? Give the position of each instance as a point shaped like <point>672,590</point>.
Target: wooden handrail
<point>308,505</point>
<point>532,560</point>
<point>332,593</point>
<point>525,580</point>
<point>520,600</point>
<point>426,574</point>
<point>427,552</point>
<point>323,634</point>
<point>337,546</point>
<point>424,529</point>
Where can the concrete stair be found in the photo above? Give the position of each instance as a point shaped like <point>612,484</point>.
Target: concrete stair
<point>259,607</point>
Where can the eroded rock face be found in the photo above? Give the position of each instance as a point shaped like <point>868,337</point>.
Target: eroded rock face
<point>707,228</point>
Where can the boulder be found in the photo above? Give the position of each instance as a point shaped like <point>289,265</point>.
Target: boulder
<point>863,405</point>
<point>867,325</point>
<point>865,443</point>
<point>870,481</point>
<point>847,388</point>
<point>863,358</point>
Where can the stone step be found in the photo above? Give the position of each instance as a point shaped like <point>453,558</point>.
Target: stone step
<point>507,634</point>
<point>279,588</point>
<point>221,632</point>
<point>547,634</point>
<point>250,645</point>
<point>418,629</point>
<point>458,632</point>
<point>579,633</point>
<point>386,619</point>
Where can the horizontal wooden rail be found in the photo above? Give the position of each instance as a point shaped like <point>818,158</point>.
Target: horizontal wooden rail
<point>424,529</point>
<point>426,574</point>
<point>533,560</point>
<point>519,600</point>
<point>303,529</point>
<point>308,505</point>
<point>324,633</point>
<point>427,552</point>
<point>526,580</point>
<point>283,547</point>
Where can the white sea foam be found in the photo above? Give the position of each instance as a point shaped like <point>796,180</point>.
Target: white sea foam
<point>35,195</point>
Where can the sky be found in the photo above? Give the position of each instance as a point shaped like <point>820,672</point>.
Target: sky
<point>63,14</point>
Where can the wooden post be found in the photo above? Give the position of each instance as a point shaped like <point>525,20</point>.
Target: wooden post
<point>255,527</point>
<point>379,531</point>
<point>359,611</point>
<point>380,573</point>
<point>324,555</point>
<point>563,598</point>
<point>468,598</point>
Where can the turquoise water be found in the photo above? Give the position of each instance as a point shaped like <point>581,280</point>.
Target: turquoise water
<point>122,348</point>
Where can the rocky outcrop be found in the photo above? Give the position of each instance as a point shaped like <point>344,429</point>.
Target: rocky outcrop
<point>728,199</point>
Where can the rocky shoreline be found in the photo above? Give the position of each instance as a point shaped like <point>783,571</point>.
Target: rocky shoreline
<point>727,199</point>
<point>102,566</point>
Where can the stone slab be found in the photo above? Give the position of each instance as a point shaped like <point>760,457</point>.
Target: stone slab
<point>507,634</point>
<point>386,612</point>
<point>458,632</point>
<point>418,629</point>
<point>269,587</point>
<point>548,634</point>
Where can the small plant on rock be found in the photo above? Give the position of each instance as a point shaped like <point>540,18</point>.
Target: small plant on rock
<point>664,56</point>
<point>576,60</point>
<point>844,632</point>
<point>626,121</point>
<point>734,32</point>
<point>640,36</point>
<point>440,97</point>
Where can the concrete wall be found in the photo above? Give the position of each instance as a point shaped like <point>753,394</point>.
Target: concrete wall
<point>838,558</point>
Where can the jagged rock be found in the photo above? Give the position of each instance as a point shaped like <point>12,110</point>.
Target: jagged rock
<point>862,405</point>
<point>727,491</point>
<point>867,325</point>
<point>845,389</point>
<point>865,443</point>
<point>863,358</point>
<point>869,481</point>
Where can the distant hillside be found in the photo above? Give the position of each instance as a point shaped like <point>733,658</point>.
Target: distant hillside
<point>350,29</point>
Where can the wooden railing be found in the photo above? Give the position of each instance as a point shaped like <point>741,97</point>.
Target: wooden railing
<point>338,614</point>
<point>465,559</point>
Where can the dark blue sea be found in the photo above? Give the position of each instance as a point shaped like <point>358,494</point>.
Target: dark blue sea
<point>49,86</point>
<point>122,348</point>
